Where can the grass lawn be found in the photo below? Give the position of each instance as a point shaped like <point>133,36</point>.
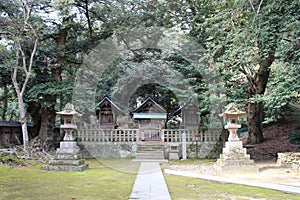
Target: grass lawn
<point>114,179</point>
<point>186,188</point>
<point>110,179</point>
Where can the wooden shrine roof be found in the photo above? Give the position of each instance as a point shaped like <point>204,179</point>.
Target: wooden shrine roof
<point>149,109</point>
<point>114,106</point>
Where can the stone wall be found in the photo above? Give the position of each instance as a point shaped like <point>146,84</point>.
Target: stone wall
<point>107,150</point>
<point>289,159</point>
<point>208,149</point>
<point>128,149</point>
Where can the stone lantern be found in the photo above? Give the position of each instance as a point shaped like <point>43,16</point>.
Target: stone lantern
<point>232,115</point>
<point>68,125</point>
<point>68,156</point>
<point>234,156</point>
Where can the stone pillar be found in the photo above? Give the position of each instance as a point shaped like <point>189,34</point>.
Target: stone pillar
<point>183,139</point>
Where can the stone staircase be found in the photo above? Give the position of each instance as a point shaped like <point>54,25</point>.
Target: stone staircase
<point>150,151</point>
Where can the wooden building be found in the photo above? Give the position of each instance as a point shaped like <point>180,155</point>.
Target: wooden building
<point>189,113</point>
<point>11,133</point>
<point>151,119</point>
<point>107,112</point>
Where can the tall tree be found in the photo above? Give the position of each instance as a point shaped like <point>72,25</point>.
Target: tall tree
<point>244,38</point>
<point>18,27</point>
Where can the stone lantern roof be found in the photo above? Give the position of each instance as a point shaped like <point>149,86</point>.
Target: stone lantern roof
<point>69,110</point>
<point>232,111</point>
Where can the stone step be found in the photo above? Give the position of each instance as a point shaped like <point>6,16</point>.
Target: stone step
<point>81,168</point>
<point>235,157</point>
<point>68,151</point>
<point>149,156</point>
<point>234,162</point>
<point>150,151</point>
<point>67,162</point>
<point>150,147</point>
<point>161,161</point>
<point>68,156</point>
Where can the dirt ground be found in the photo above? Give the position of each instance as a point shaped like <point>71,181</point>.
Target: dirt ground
<point>268,172</point>
<point>264,156</point>
<point>276,138</point>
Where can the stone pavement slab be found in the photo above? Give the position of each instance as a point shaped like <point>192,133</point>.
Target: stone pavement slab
<point>284,187</point>
<point>150,183</point>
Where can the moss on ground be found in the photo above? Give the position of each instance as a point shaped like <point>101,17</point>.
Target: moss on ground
<point>99,182</point>
<point>114,179</point>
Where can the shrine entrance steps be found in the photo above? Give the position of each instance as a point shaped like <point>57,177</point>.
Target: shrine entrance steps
<point>150,151</point>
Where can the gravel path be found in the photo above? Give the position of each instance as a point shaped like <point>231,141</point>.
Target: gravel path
<point>267,172</point>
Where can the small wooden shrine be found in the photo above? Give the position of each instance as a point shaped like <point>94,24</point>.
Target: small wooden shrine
<point>189,114</point>
<point>151,118</point>
<point>11,133</point>
<point>107,112</point>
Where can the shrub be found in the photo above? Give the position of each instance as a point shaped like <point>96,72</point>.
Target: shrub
<point>294,138</point>
<point>11,159</point>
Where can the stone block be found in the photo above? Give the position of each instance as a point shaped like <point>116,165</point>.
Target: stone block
<point>68,151</point>
<point>67,167</point>
<point>235,157</point>
<point>68,145</point>
<point>289,159</point>
<point>68,156</point>
<point>66,162</point>
<point>173,155</point>
<point>174,152</point>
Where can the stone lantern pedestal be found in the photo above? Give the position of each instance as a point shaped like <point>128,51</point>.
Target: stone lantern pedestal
<point>234,156</point>
<point>68,156</point>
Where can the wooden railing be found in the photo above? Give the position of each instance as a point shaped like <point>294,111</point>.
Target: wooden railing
<point>191,134</point>
<point>132,135</point>
<point>107,135</point>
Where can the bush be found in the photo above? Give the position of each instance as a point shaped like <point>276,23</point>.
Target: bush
<point>294,138</point>
<point>11,159</point>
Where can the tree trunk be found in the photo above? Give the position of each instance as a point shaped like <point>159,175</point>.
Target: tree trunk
<point>34,111</point>
<point>257,86</point>
<point>47,114</point>
<point>5,102</point>
<point>254,123</point>
<point>47,123</point>
<point>23,122</point>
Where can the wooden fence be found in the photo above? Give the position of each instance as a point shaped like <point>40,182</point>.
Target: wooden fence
<point>107,135</point>
<point>191,135</point>
<point>131,135</point>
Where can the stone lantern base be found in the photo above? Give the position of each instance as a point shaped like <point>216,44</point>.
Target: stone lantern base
<point>68,157</point>
<point>173,152</point>
<point>235,158</point>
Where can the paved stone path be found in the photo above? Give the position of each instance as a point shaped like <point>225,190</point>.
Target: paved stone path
<point>150,183</point>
